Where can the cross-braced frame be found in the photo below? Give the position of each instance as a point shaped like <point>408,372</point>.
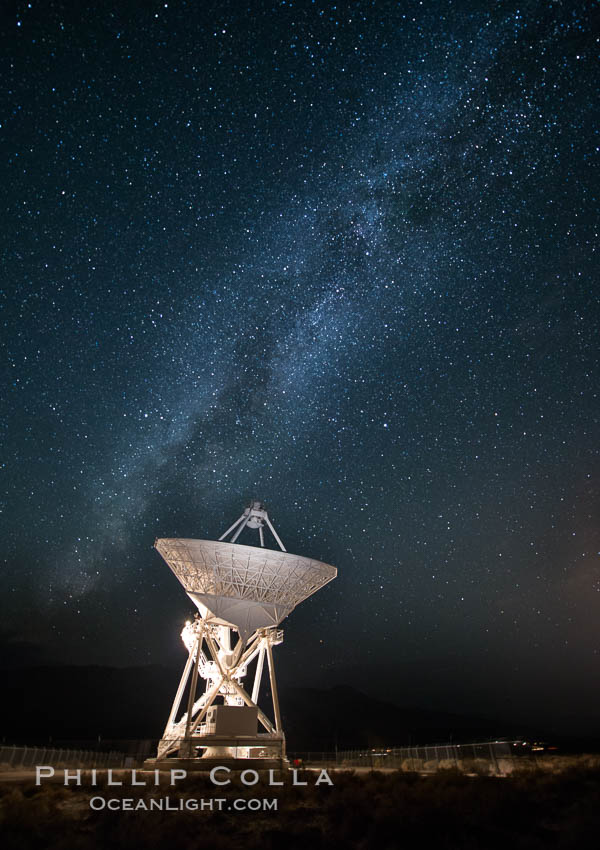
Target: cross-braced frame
<point>222,668</point>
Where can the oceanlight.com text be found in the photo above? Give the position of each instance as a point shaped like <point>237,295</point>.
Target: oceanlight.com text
<point>191,804</point>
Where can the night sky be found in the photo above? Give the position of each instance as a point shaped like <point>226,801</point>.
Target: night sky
<point>340,257</point>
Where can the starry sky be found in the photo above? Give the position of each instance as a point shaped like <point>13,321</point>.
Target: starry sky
<point>340,257</point>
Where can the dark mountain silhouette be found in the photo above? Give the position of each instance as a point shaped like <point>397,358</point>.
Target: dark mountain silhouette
<point>345,718</point>
<point>45,703</point>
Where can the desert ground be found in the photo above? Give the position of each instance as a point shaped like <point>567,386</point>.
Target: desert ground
<point>538,808</point>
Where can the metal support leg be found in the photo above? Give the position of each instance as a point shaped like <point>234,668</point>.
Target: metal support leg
<point>180,690</point>
<point>258,674</point>
<point>193,686</point>
<point>273,686</point>
<point>240,529</point>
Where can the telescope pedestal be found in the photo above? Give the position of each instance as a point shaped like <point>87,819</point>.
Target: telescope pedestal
<point>219,726</point>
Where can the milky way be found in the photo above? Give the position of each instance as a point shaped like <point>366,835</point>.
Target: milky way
<point>341,258</point>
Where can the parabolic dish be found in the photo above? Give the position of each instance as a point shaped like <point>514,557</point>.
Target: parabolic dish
<point>243,586</point>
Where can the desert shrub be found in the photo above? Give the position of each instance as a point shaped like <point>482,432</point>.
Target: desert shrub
<point>447,809</point>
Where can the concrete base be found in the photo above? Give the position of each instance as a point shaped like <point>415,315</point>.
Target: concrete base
<point>204,765</point>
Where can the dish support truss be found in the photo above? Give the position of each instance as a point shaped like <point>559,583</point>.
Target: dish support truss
<point>223,668</point>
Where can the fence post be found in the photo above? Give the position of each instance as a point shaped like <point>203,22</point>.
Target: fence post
<point>494,760</point>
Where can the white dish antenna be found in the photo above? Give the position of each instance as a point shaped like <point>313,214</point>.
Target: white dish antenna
<point>244,586</point>
<point>248,590</point>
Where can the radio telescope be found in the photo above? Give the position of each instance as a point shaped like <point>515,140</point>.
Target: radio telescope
<point>242,594</point>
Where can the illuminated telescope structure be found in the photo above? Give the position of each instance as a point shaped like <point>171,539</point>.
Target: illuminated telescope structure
<point>242,594</point>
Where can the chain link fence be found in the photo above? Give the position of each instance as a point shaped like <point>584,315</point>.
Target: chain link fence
<point>497,758</point>
<point>28,757</point>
